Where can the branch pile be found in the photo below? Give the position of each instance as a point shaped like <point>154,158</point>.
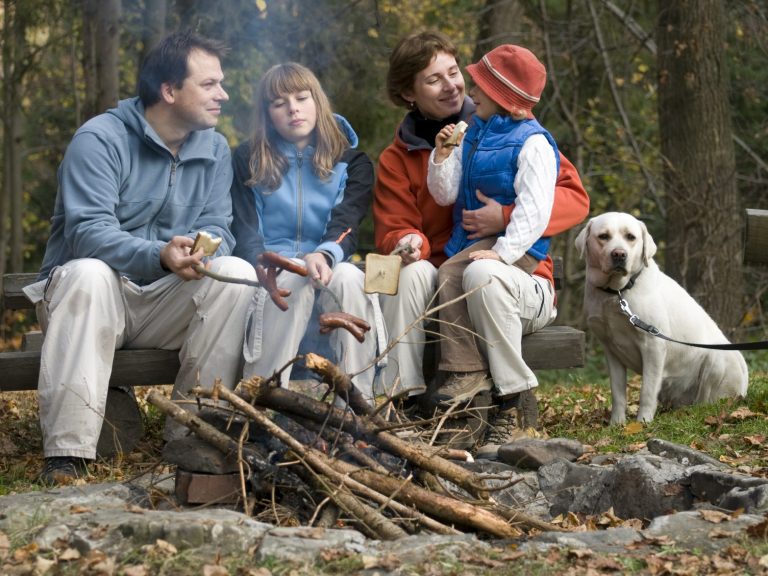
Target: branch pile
<point>389,486</point>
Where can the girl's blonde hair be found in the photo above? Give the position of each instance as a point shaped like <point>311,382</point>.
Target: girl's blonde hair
<point>267,164</point>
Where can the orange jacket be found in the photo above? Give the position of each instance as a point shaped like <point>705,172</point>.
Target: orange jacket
<point>403,205</point>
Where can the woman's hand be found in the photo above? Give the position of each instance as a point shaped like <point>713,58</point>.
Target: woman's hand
<point>485,255</point>
<point>318,269</point>
<point>485,221</point>
<point>409,248</point>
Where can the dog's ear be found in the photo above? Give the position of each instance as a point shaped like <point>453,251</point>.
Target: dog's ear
<point>649,246</point>
<point>581,240</point>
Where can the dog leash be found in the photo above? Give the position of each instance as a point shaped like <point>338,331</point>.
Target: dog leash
<point>638,323</point>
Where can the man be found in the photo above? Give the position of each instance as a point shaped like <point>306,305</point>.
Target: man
<point>136,185</point>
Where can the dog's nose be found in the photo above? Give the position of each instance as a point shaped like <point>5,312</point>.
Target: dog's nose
<point>619,257</point>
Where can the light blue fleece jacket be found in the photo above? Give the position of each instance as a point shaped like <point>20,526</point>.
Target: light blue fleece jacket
<point>122,195</point>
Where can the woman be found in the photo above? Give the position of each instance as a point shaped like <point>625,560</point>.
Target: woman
<point>424,76</point>
<point>301,189</point>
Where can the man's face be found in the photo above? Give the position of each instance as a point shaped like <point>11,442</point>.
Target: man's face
<point>197,103</point>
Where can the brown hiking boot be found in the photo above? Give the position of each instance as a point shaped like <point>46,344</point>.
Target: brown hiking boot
<point>463,386</point>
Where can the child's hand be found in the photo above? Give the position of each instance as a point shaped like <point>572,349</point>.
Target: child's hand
<point>485,255</point>
<point>443,148</point>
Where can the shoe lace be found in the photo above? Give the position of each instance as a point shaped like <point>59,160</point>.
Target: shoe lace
<point>502,428</point>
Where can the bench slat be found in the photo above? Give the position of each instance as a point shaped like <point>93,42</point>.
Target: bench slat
<point>13,297</point>
<point>549,348</point>
<point>130,368</point>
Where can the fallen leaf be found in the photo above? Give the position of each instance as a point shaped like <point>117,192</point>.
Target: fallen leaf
<point>5,545</point>
<point>136,570</point>
<point>633,428</point>
<point>70,554</point>
<point>742,413</point>
<point>755,439</point>
<point>214,570</point>
<point>78,509</point>
<point>714,516</point>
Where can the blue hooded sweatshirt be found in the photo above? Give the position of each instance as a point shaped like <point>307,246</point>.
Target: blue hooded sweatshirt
<point>123,195</point>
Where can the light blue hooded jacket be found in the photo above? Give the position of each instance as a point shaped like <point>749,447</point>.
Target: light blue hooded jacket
<point>122,195</point>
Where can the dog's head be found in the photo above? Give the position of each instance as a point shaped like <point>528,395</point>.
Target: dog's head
<point>615,245</point>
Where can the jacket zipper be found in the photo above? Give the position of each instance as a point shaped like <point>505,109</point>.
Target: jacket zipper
<point>169,189</point>
<point>300,199</point>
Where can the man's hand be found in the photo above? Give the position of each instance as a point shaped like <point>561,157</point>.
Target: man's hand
<point>318,269</point>
<point>485,221</point>
<point>409,256</point>
<point>176,257</point>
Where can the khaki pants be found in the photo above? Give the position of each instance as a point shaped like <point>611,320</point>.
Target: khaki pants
<point>88,311</point>
<point>514,304</point>
<point>459,347</point>
<point>404,369</point>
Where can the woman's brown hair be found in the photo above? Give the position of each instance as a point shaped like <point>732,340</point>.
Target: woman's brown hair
<point>411,55</point>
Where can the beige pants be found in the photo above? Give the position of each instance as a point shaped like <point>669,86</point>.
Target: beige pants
<point>404,369</point>
<point>515,303</point>
<point>88,311</point>
<point>459,347</point>
<point>273,336</point>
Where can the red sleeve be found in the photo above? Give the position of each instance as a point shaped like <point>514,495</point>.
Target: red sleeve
<point>395,207</point>
<point>571,200</point>
<point>571,204</point>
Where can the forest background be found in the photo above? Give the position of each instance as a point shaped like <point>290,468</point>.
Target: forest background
<point>662,105</point>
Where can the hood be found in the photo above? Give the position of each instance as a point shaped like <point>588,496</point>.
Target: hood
<point>290,150</point>
<point>199,144</point>
<point>406,132</point>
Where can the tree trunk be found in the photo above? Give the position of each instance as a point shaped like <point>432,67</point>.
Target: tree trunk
<point>703,221</point>
<point>154,27</point>
<point>101,42</point>
<point>500,23</point>
<point>108,13</point>
<point>11,205</point>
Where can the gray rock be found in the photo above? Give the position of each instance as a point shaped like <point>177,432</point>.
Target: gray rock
<point>683,454</point>
<point>648,486</point>
<point>690,530</point>
<point>306,544</point>
<point>568,486</point>
<point>753,500</point>
<point>533,453</point>
<point>710,485</point>
<point>195,455</point>
<point>610,541</point>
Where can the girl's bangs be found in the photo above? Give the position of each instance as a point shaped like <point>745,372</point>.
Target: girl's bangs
<point>286,81</point>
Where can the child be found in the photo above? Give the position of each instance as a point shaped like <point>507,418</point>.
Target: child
<point>505,155</point>
<point>301,189</point>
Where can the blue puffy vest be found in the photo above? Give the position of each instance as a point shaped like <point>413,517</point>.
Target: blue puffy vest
<point>489,160</point>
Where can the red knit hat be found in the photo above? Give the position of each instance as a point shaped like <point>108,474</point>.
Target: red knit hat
<point>511,76</point>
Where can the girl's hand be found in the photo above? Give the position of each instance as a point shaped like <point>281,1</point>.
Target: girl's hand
<point>485,255</point>
<point>409,248</point>
<point>318,269</point>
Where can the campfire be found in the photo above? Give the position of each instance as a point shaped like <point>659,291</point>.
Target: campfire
<point>340,453</point>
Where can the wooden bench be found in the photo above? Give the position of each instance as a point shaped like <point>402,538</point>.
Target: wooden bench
<point>756,236</point>
<point>549,348</point>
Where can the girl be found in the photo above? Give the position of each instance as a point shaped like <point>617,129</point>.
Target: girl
<point>301,189</point>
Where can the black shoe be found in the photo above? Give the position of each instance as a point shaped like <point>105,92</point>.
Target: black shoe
<point>59,470</point>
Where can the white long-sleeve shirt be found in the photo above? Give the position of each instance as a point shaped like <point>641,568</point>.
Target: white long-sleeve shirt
<point>534,188</point>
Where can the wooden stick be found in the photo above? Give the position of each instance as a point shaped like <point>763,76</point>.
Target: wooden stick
<point>317,460</point>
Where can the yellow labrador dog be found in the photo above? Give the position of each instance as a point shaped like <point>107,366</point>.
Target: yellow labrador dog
<point>619,254</point>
